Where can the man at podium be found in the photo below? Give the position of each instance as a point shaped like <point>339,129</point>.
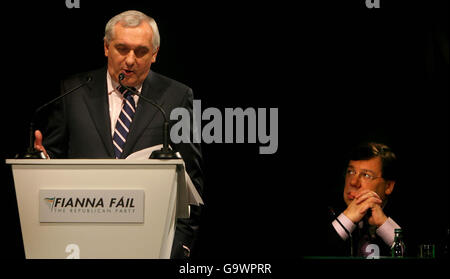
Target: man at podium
<point>101,119</point>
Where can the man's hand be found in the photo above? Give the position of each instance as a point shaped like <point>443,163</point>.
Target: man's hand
<point>38,143</point>
<point>366,200</point>
<point>378,217</point>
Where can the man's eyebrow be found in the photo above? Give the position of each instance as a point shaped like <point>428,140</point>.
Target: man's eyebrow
<point>121,45</point>
<point>364,170</point>
<point>142,47</point>
<point>125,45</point>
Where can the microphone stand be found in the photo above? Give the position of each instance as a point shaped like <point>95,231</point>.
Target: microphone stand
<point>165,152</point>
<point>31,152</point>
<point>345,229</point>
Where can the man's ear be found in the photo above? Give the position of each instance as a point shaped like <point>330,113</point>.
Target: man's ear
<point>106,47</point>
<point>389,187</point>
<point>154,55</point>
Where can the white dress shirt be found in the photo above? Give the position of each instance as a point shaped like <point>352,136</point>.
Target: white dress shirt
<point>385,231</point>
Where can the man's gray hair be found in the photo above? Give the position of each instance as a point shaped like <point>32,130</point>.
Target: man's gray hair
<point>132,19</point>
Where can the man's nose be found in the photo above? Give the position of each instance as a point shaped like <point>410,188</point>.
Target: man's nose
<point>130,60</point>
<point>355,181</point>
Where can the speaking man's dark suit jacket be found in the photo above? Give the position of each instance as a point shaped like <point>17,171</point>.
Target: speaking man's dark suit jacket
<point>80,127</point>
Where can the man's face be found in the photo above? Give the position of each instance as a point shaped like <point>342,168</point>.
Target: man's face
<point>366,174</point>
<point>130,52</point>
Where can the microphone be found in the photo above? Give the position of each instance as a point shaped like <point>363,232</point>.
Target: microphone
<point>165,152</point>
<point>32,153</point>
<point>331,210</point>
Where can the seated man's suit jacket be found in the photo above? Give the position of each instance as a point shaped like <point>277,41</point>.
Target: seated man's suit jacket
<point>325,241</point>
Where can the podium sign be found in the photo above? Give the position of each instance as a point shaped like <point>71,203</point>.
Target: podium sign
<point>99,208</point>
<point>87,205</point>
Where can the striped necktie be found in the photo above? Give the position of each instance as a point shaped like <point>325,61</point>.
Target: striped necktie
<point>123,123</point>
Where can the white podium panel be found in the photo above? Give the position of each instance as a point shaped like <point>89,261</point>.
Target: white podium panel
<point>59,185</point>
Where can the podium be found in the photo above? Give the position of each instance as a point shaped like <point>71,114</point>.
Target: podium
<point>99,208</point>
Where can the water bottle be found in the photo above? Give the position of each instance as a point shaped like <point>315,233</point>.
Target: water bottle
<point>398,247</point>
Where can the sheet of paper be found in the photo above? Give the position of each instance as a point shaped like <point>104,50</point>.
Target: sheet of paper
<point>194,197</point>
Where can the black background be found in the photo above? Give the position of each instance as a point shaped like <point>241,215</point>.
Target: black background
<point>338,73</point>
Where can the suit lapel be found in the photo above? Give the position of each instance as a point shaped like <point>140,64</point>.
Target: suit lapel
<point>96,99</point>
<point>145,112</point>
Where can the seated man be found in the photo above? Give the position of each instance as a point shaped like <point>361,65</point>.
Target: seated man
<point>369,180</point>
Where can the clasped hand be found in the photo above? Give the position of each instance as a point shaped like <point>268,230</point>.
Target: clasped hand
<point>364,201</point>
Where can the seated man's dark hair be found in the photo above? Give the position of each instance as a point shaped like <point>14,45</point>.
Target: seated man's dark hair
<point>369,150</point>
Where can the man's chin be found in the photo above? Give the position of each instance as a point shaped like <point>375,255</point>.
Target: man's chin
<point>130,82</point>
